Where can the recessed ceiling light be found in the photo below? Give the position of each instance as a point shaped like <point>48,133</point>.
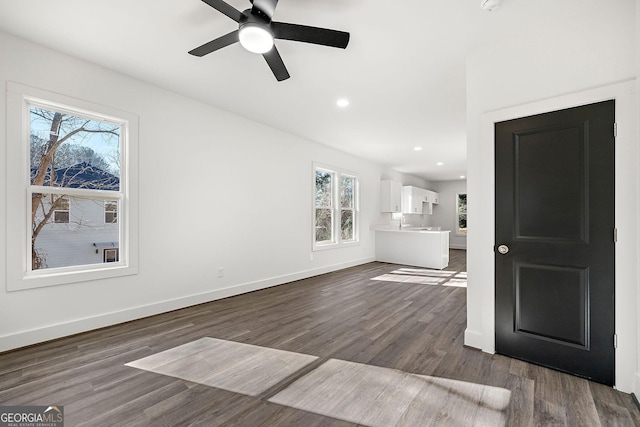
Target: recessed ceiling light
<point>462,177</point>
<point>417,148</point>
<point>490,5</point>
<point>342,102</point>
<point>439,163</point>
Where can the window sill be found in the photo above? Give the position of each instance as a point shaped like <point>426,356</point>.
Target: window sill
<point>45,279</point>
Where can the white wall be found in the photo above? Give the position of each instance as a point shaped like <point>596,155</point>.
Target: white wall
<point>203,204</point>
<point>444,213</point>
<point>636,385</point>
<point>569,57</point>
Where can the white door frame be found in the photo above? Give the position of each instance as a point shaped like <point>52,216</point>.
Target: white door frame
<point>627,195</point>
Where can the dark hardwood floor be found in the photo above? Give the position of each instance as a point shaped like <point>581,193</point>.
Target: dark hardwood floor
<point>397,323</point>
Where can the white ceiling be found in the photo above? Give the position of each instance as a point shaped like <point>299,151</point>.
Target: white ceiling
<point>403,71</point>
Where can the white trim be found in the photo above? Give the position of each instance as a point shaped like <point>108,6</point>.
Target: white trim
<point>473,338</point>
<point>18,274</point>
<point>39,335</point>
<point>626,176</point>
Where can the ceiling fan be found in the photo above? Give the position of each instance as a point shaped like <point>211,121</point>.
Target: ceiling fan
<point>256,32</point>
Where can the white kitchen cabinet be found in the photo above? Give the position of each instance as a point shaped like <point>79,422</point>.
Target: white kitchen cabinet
<point>433,197</point>
<point>390,196</point>
<point>420,248</point>
<point>412,199</point>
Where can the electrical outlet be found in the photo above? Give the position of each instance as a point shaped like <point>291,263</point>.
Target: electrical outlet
<point>310,257</point>
<point>220,272</point>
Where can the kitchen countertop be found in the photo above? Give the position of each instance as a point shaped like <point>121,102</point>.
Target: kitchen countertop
<point>410,229</point>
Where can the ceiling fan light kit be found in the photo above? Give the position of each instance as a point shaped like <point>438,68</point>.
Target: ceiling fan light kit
<point>256,33</point>
<point>255,38</point>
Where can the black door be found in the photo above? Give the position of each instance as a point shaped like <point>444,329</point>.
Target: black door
<point>554,253</point>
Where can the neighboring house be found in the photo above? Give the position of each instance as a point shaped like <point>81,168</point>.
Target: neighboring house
<point>81,230</point>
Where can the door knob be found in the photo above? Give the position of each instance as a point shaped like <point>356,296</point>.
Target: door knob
<point>503,249</point>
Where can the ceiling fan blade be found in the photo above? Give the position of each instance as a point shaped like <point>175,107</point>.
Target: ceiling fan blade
<point>268,7</point>
<point>303,33</point>
<point>225,8</point>
<point>275,63</point>
<point>216,44</point>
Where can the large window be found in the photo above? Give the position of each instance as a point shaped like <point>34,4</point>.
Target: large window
<point>335,207</point>
<point>461,214</point>
<point>76,185</point>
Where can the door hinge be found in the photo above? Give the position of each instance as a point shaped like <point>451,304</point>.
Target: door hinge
<point>615,340</point>
<point>615,130</point>
<point>615,235</point>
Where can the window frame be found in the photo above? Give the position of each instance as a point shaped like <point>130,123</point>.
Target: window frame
<point>20,275</point>
<point>457,216</point>
<point>336,208</point>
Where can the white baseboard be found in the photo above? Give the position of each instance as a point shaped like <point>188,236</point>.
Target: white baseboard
<point>51,332</point>
<point>464,247</point>
<point>473,339</point>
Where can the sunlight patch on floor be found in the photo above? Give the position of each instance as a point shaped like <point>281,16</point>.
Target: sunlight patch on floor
<point>364,394</point>
<point>425,277</point>
<point>241,368</point>
<point>376,396</point>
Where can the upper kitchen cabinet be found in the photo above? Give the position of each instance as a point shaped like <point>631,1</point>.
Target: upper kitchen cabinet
<point>412,199</point>
<point>433,197</point>
<point>390,196</point>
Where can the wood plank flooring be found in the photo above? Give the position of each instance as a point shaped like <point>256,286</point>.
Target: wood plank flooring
<point>238,367</point>
<point>414,326</point>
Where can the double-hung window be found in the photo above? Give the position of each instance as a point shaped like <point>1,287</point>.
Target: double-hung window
<point>335,213</point>
<point>347,207</point>
<point>461,214</point>
<point>111,255</point>
<point>324,207</point>
<point>60,209</point>
<point>73,169</point>
<point>110,212</point>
